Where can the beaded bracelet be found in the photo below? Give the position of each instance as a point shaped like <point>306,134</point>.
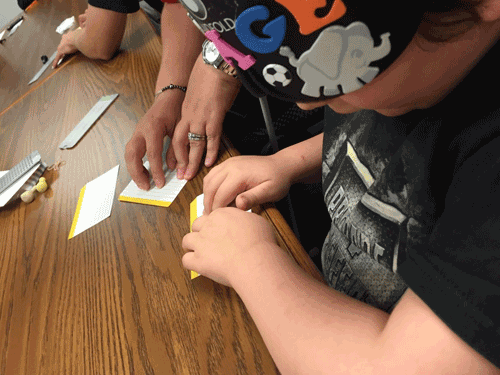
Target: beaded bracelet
<point>171,86</point>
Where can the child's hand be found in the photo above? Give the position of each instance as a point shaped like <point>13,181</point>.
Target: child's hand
<point>247,180</point>
<point>225,241</point>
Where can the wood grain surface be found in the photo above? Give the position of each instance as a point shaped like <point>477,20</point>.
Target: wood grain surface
<point>115,299</point>
<point>20,54</point>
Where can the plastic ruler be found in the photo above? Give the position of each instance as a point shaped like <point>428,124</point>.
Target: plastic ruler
<point>19,170</point>
<point>86,123</point>
<point>44,67</point>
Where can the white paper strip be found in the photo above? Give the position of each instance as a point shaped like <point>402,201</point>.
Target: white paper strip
<point>65,25</point>
<point>95,202</point>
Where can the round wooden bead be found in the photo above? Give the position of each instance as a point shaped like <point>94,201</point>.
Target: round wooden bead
<point>28,196</point>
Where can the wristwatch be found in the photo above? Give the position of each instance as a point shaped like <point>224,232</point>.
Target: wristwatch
<point>212,57</point>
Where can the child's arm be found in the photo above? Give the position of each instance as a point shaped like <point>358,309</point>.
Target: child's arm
<point>252,180</point>
<point>304,158</point>
<point>310,328</point>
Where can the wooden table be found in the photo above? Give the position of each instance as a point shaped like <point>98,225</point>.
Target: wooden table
<point>115,299</point>
<point>20,54</point>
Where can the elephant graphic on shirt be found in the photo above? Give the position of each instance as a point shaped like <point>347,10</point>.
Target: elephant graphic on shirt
<point>338,60</point>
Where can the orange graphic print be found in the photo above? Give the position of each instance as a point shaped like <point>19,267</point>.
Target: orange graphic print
<point>306,13</point>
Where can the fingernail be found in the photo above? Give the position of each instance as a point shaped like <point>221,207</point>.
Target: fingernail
<point>188,175</point>
<point>180,174</point>
<point>208,162</point>
<point>158,183</point>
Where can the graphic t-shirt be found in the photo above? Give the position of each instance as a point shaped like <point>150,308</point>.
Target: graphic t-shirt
<point>414,202</point>
<point>366,242</point>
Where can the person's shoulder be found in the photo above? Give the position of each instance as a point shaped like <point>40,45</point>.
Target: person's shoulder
<point>457,271</point>
<point>475,91</point>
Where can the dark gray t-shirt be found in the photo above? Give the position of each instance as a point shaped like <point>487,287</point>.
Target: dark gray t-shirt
<point>414,202</point>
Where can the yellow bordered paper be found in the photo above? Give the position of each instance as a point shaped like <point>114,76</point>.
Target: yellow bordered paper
<point>156,197</point>
<point>95,202</point>
<point>195,210</point>
<point>77,213</point>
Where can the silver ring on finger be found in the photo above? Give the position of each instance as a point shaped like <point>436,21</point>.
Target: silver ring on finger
<point>196,137</point>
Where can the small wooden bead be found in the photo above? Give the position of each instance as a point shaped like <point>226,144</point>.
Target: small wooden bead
<point>29,195</point>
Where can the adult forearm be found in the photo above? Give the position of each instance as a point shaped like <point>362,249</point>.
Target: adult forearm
<point>308,327</point>
<point>181,46</point>
<point>101,35</point>
<point>82,42</point>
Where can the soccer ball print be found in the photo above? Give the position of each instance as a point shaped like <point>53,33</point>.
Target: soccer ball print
<point>277,75</point>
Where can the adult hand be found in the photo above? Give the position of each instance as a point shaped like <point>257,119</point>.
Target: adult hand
<point>66,47</point>
<point>247,180</point>
<point>209,96</point>
<point>226,240</point>
<point>158,122</point>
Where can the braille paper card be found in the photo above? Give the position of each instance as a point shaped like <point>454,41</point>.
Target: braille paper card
<point>156,197</point>
<point>95,202</point>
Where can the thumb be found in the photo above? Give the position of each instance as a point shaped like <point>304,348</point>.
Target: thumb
<point>253,197</point>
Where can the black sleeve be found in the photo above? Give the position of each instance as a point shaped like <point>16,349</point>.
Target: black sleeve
<point>120,6</point>
<point>156,4</point>
<point>458,275</point>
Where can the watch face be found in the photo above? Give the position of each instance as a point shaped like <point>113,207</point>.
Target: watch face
<point>211,53</point>
<point>196,7</point>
